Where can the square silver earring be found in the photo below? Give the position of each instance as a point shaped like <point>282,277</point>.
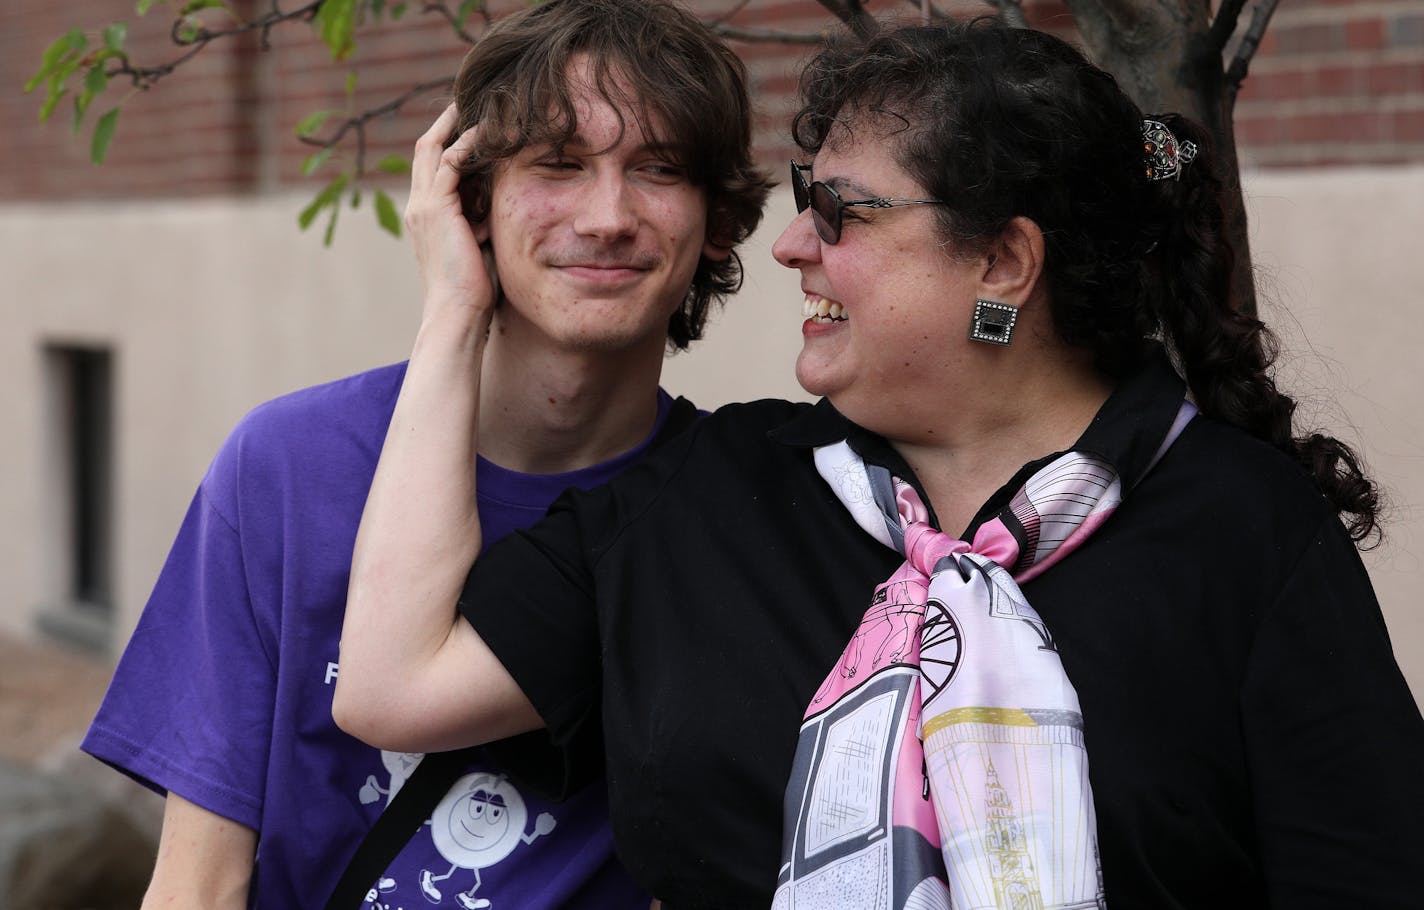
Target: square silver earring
<point>993,322</point>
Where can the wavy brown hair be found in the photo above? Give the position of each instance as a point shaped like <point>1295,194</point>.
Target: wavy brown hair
<point>1001,122</point>
<point>678,75</point>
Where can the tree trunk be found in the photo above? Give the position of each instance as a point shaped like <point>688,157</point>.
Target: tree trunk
<point>1162,55</point>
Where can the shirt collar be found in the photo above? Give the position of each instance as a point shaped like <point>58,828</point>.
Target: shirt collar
<point>819,425</point>
<point>1127,430</point>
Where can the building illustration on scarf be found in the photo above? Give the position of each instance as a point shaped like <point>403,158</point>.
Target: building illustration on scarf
<point>1010,865</point>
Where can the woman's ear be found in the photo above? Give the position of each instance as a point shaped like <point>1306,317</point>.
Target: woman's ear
<point>1014,263</point>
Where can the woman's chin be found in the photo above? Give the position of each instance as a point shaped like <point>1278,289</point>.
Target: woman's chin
<point>812,376</point>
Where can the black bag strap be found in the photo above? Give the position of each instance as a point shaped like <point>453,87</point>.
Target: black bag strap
<point>412,805</point>
<point>437,772</point>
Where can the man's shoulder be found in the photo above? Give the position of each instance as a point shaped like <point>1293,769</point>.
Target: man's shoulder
<point>319,427</point>
<point>361,398</point>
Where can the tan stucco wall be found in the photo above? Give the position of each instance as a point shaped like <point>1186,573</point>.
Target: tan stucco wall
<point>209,309</point>
<point>213,307</point>
<point>1342,273</point>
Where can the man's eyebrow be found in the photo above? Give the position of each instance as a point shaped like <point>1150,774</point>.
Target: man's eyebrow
<point>579,144</point>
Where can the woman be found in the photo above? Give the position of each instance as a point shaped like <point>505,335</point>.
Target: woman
<point>1000,255</point>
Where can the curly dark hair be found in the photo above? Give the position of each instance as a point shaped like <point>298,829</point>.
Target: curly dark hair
<point>679,73</point>
<point>1001,122</point>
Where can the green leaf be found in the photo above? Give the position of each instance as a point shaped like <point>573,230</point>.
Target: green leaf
<point>399,10</point>
<point>308,214</point>
<point>189,29</point>
<point>52,101</point>
<point>328,196</point>
<point>64,69</point>
<point>97,79</point>
<point>312,122</point>
<point>356,198</point>
<point>463,13</point>
<point>143,6</point>
<point>331,226</point>
<point>63,49</point>
<point>387,215</point>
<point>350,83</point>
<point>335,21</point>
<point>103,135</point>
<point>313,163</point>
<point>378,8</point>
<point>76,40</point>
<point>115,35</point>
<point>393,164</point>
<point>193,6</point>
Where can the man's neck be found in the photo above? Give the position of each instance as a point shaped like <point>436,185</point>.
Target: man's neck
<point>550,410</point>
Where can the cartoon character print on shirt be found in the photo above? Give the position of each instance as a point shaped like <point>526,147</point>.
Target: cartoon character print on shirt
<point>401,766</point>
<point>478,823</point>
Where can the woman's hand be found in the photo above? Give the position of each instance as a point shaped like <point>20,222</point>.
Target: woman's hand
<point>455,262</point>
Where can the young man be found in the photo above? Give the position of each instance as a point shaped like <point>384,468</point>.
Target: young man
<point>609,182</point>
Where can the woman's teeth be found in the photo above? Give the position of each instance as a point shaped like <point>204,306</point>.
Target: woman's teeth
<point>819,309</point>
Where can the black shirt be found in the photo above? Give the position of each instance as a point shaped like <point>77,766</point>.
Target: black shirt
<point>1251,741</point>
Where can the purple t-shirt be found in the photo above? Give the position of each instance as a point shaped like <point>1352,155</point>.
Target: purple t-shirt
<point>224,692</point>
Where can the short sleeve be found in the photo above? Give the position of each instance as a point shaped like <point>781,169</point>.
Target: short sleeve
<point>190,705</point>
<point>531,598</point>
<point>1335,741</point>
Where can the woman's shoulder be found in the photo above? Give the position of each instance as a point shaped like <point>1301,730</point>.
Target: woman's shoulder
<point>1239,488</point>
<point>1236,461</point>
<point>768,413</point>
<point>736,432</point>
<point>713,454</point>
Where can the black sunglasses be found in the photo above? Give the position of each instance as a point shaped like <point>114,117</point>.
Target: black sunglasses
<point>826,204</point>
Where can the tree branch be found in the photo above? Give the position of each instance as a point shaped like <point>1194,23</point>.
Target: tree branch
<point>202,34</point>
<point>758,35</point>
<point>722,19</point>
<point>1010,11</point>
<point>449,15</point>
<point>358,123</point>
<point>930,12</point>
<point>765,35</point>
<point>1224,25</point>
<point>143,77</point>
<point>1120,18</point>
<point>853,14</point>
<point>1236,72</point>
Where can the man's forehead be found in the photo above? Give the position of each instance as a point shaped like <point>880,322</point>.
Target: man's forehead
<point>602,94</point>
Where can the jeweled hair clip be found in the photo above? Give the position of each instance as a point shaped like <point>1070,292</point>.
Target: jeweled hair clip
<point>1164,155</point>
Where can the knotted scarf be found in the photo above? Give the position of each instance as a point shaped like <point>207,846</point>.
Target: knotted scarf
<point>942,762</point>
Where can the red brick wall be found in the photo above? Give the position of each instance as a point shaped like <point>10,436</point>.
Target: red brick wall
<point>1335,82</point>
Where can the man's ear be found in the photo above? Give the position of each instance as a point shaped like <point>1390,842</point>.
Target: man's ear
<point>481,230</point>
<point>1013,263</point>
<point>715,250</point>
<point>717,247</point>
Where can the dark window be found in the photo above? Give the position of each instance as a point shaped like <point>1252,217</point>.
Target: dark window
<point>82,380</point>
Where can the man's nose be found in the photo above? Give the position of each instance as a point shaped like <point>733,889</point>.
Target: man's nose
<point>608,209</point>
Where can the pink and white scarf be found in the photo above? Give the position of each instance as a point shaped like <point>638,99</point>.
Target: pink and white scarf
<point>942,763</point>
